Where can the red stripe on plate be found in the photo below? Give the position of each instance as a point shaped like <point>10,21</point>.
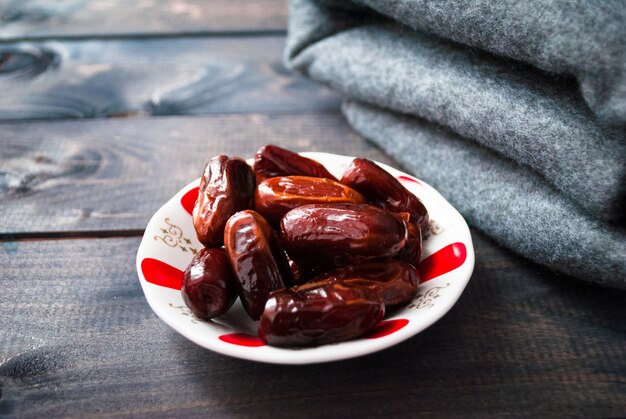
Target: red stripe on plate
<point>409,179</point>
<point>242,339</point>
<point>442,261</point>
<point>188,201</point>
<point>162,274</point>
<point>385,328</point>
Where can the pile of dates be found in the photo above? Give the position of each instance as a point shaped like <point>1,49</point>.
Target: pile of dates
<point>315,259</point>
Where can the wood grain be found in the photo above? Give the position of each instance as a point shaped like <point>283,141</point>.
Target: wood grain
<point>94,176</point>
<point>78,338</point>
<point>139,77</point>
<point>54,19</point>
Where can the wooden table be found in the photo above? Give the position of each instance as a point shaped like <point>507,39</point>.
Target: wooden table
<point>107,109</point>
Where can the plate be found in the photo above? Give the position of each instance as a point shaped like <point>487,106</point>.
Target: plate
<point>170,242</point>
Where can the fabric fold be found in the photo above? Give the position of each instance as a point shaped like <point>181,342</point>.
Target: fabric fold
<point>577,38</point>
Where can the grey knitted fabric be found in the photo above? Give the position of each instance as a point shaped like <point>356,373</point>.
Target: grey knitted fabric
<point>507,201</point>
<point>534,126</point>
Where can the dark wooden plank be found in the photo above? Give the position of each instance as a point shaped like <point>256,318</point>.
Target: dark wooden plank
<point>105,78</point>
<point>78,338</point>
<point>53,19</point>
<point>114,174</point>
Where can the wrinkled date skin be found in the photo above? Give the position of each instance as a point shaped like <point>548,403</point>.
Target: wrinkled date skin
<point>209,288</point>
<point>395,281</point>
<point>272,161</point>
<point>316,315</point>
<point>275,196</point>
<point>380,188</point>
<point>257,258</point>
<point>341,234</point>
<point>227,186</point>
<point>412,251</point>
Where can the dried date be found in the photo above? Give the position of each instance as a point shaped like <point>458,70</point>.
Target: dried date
<point>394,281</point>
<point>380,188</point>
<point>257,258</point>
<point>272,161</point>
<point>316,315</point>
<point>274,197</point>
<point>209,288</point>
<point>227,186</point>
<point>341,234</point>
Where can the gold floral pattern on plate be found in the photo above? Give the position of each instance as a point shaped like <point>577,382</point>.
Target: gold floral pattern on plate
<point>173,236</point>
<point>427,298</point>
<point>434,228</point>
<point>185,311</point>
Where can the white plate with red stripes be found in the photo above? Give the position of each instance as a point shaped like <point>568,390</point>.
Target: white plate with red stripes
<point>170,242</point>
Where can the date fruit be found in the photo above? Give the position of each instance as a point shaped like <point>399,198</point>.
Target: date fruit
<point>380,188</point>
<point>395,281</point>
<point>273,161</point>
<point>257,258</point>
<point>275,196</point>
<point>316,315</point>
<point>209,288</point>
<point>227,186</point>
<point>341,234</point>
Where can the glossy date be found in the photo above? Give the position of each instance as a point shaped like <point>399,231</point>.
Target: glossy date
<point>274,197</point>
<point>394,281</point>
<point>341,234</point>
<point>257,258</point>
<point>380,188</point>
<point>227,186</point>
<point>316,315</point>
<point>271,161</point>
<point>209,288</point>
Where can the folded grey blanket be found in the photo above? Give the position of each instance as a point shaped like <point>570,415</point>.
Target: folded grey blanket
<point>537,128</point>
<point>581,38</point>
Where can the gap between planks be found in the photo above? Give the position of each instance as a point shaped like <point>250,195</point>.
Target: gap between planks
<point>69,235</point>
<point>252,33</point>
